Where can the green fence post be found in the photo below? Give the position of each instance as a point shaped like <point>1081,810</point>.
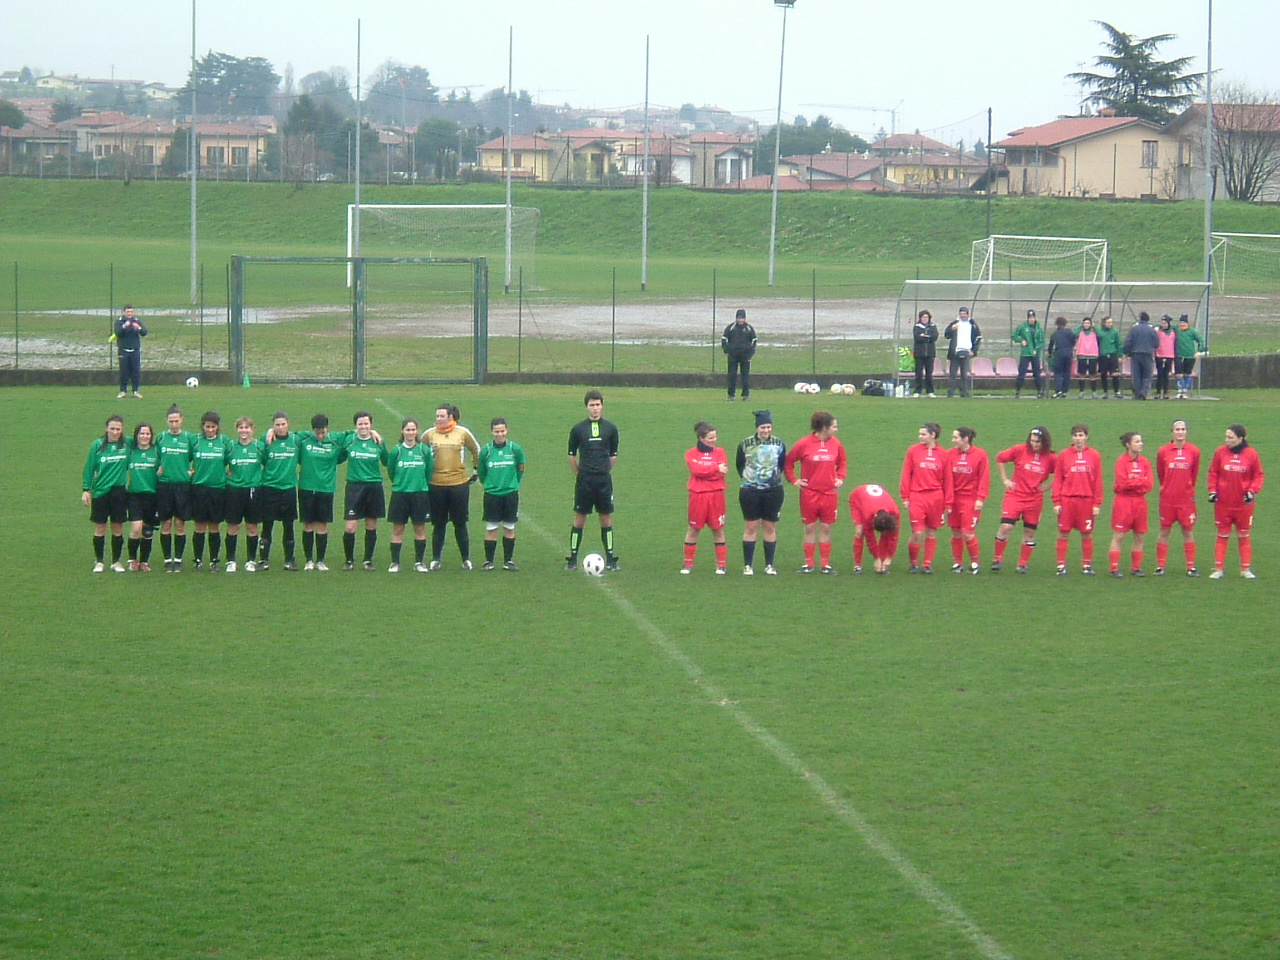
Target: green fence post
<point>238,369</point>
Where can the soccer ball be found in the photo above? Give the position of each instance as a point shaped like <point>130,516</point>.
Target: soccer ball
<point>815,388</point>
<point>837,388</point>
<point>801,387</point>
<point>850,390</point>
<point>593,565</point>
<point>193,382</point>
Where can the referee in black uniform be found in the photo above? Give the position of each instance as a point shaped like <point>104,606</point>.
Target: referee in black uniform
<point>593,450</point>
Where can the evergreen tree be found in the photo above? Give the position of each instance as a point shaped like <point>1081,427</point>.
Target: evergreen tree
<point>1134,83</point>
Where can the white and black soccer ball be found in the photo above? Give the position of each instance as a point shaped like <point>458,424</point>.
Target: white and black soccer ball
<point>815,388</point>
<point>593,565</point>
<point>193,382</point>
<point>801,387</point>
<point>850,390</point>
<point>837,388</point>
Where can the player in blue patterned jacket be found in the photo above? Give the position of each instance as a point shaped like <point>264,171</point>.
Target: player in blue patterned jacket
<point>759,463</point>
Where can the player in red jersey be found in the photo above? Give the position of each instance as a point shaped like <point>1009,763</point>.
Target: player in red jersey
<point>1077,497</point>
<point>708,464</point>
<point>1033,465</point>
<point>1134,480</point>
<point>971,482</point>
<point>925,489</point>
<point>822,471</point>
<point>1178,467</point>
<point>875,525</point>
<point>1235,479</point>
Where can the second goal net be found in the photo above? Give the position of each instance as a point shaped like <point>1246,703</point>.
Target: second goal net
<point>1007,257</point>
<point>1246,264</point>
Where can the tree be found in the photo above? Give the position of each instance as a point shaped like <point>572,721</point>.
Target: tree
<point>243,86</point>
<point>65,109</point>
<point>1135,83</point>
<point>806,140</point>
<point>401,94</point>
<point>436,145</point>
<point>11,116</point>
<point>332,87</point>
<point>1246,140</point>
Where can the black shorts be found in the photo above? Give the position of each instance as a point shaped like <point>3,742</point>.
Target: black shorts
<point>412,508</point>
<point>315,507</point>
<point>365,501</point>
<point>1186,366</point>
<point>1086,366</point>
<point>450,503</point>
<point>173,501</point>
<point>1109,365</point>
<point>112,506</point>
<point>242,505</point>
<point>208,504</point>
<point>502,507</point>
<point>762,503</point>
<point>142,506</point>
<point>277,503</point>
<point>593,491</point>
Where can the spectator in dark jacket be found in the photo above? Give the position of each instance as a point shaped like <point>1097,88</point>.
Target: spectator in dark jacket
<point>1062,348</point>
<point>1140,347</point>
<point>924,347</point>
<point>739,344</point>
<point>129,331</point>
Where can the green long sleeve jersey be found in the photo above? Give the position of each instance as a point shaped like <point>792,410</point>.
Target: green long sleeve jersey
<point>106,467</point>
<point>410,468</point>
<point>319,460</point>
<point>209,458</point>
<point>1034,337</point>
<point>1109,342</point>
<point>175,456</point>
<point>501,467</point>
<point>245,463</point>
<point>364,457</point>
<point>1188,343</point>
<point>142,469</point>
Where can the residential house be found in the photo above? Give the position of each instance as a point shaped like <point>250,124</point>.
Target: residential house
<point>908,144</point>
<point>670,160</point>
<point>1092,157</point>
<point>721,159</point>
<point>835,171</point>
<point>1246,145</point>
<point>532,157</point>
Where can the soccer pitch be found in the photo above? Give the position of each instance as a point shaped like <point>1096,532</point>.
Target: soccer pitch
<point>543,765</point>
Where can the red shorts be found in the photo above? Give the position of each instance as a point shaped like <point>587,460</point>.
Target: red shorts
<point>1183,514</point>
<point>1225,517</point>
<point>707,510</point>
<point>1129,513</point>
<point>964,516</point>
<point>926,511</point>
<point>1077,514</point>
<point>1017,508</point>
<point>818,507</point>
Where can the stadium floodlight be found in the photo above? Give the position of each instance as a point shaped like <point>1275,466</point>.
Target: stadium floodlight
<point>777,140</point>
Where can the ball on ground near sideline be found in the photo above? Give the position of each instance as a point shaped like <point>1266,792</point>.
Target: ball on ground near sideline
<point>593,565</point>
<point>850,390</point>
<point>815,388</point>
<point>193,382</point>
<point>801,387</point>
<point>837,388</point>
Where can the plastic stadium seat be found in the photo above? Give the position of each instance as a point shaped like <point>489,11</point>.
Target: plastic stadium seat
<point>1006,367</point>
<point>1126,368</point>
<point>939,367</point>
<point>982,367</point>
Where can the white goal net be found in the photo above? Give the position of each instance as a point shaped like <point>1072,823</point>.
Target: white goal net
<point>451,230</point>
<point>1003,257</point>
<point>1246,264</point>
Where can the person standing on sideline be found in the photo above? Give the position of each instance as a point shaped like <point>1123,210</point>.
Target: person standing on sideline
<point>759,462</point>
<point>1087,357</point>
<point>1178,469</point>
<point>823,465</point>
<point>1134,481</point>
<point>970,483</point>
<point>1062,345</point>
<point>1033,465</point>
<point>875,525</point>
<point>501,468</point>
<point>1235,480</point>
<point>128,335</point>
<point>173,490</point>
<point>739,344</point>
<point>409,465</point>
<point>244,482</point>
<point>1077,497</point>
<point>450,487</point>
<point>1109,350</point>
<point>1166,355</point>
<point>926,491</point>
<point>209,458</point>
<point>1140,347</point>
<point>924,347</point>
<point>105,492</point>
<point>144,461</point>
<point>1188,346</point>
<point>593,452</point>
<point>1029,338</point>
<point>365,498</point>
<point>278,495</point>
<point>966,338</point>
<point>708,466</point>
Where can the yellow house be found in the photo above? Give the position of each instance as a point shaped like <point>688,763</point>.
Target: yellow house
<point>532,157</point>
<point>1092,157</point>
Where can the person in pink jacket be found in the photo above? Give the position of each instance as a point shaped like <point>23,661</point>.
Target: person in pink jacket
<point>1087,357</point>
<point>1166,351</point>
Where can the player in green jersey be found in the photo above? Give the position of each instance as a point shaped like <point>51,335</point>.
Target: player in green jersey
<point>278,495</point>
<point>173,490</point>
<point>144,460</point>
<point>209,488</point>
<point>244,476</point>
<point>501,468</point>
<point>409,465</point>
<point>365,497</point>
<point>104,494</point>
<point>318,455</point>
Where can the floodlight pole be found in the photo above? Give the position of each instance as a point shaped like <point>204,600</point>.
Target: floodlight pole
<point>511,46</point>
<point>193,155</point>
<point>1208,171</point>
<point>644,173</point>
<point>777,140</point>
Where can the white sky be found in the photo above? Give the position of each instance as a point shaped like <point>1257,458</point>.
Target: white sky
<point>944,63</point>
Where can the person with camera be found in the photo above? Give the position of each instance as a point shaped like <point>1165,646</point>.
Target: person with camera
<point>965,338</point>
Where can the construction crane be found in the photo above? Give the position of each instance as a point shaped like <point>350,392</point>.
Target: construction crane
<point>892,111</point>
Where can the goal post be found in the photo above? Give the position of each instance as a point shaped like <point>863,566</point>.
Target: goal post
<point>1245,264</point>
<point>1010,257</point>
<point>503,234</point>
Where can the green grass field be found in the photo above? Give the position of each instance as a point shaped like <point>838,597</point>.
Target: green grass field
<point>542,765</point>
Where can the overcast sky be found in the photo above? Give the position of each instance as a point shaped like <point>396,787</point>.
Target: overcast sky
<point>941,65</point>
